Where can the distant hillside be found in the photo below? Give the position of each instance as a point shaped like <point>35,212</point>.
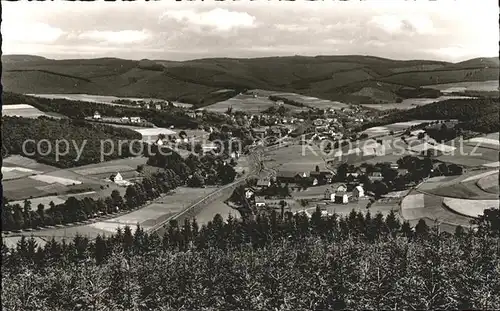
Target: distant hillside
<point>353,79</point>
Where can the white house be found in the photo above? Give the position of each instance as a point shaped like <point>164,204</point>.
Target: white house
<point>159,142</point>
<point>116,177</point>
<point>135,119</point>
<point>249,193</point>
<point>125,119</point>
<point>97,115</point>
<point>358,192</point>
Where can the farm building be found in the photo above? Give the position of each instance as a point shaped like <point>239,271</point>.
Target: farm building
<point>341,197</point>
<point>135,119</point>
<point>358,192</point>
<point>337,193</point>
<point>290,176</point>
<point>159,142</point>
<point>118,179</point>
<point>97,115</point>
<point>125,119</point>
<point>322,177</point>
<point>263,183</point>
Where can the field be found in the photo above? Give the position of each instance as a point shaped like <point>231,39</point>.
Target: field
<point>248,104</point>
<point>489,141</point>
<point>453,199</point>
<point>478,151</point>
<point>489,183</point>
<point>44,180</point>
<point>488,86</point>
<point>400,126</point>
<point>295,158</point>
<point>471,208</point>
<point>25,111</point>
<point>417,206</point>
<point>103,99</point>
<point>410,103</point>
<point>312,102</point>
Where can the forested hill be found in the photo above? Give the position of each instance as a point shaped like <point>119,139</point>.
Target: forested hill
<point>349,78</point>
<point>359,262</point>
<point>481,114</point>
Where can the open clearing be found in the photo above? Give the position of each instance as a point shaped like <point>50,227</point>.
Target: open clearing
<point>295,158</point>
<point>417,206</point>
<point>489,183</point>
<point>488,86</point>
<point>15,172</point>
<point>104,170</point>
<point>23,110</point>
<point>53,179</point>
<point>102,99</point>
<point>249,104</point>
<point>471,208</point>
<point>399,126</point>
<point>461,186</point>
<point>410,103</point>
<point>154,132</point>
<point>488,141</point>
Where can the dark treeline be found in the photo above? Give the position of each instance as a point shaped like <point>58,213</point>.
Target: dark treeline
<point>358,262</point>
<point>17,131</point>
<point>197,169</point>
<point>480,115</point>
<point>79,110</point>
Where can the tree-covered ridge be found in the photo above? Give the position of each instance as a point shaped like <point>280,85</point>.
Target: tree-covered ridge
<point>18,131</point>
<point>481,114</point>
<point>358,262</point>
<point>79,110</point>
<point>197,169</point>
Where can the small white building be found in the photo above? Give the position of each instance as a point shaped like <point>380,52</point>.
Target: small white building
<point>125,119</point>
<point>116,177</point>
<point>135,119</point>
<point>159,142</point>
<point>358,192</point>
<point>97,115</point>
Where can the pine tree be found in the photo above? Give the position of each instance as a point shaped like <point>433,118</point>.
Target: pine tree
<point>393,224</point>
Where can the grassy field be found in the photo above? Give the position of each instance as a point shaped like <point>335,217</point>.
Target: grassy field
<point>470,208</point>
<point>25,111</point>
<point>417,206</point>
<point>247,103</point>
<point>49,180</point>
<point>489,183</point>
<point>488,86</point>
<point>296,158</point>
<point>410,103</point>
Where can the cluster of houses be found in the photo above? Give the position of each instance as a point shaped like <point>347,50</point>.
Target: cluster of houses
<point>338,193</point>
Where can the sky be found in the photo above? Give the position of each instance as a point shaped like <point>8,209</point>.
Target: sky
<point>450,30</point>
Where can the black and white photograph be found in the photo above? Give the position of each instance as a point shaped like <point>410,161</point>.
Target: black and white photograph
<point>249,155</point>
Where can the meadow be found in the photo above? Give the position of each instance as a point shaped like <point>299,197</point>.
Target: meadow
<point>25,111</point>
<point>248,104</point>
<point>410,103</point>
<point>488,86</point>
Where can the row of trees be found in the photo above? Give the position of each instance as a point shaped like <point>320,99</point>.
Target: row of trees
<point>358,262</point>
<point>16,217</point>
